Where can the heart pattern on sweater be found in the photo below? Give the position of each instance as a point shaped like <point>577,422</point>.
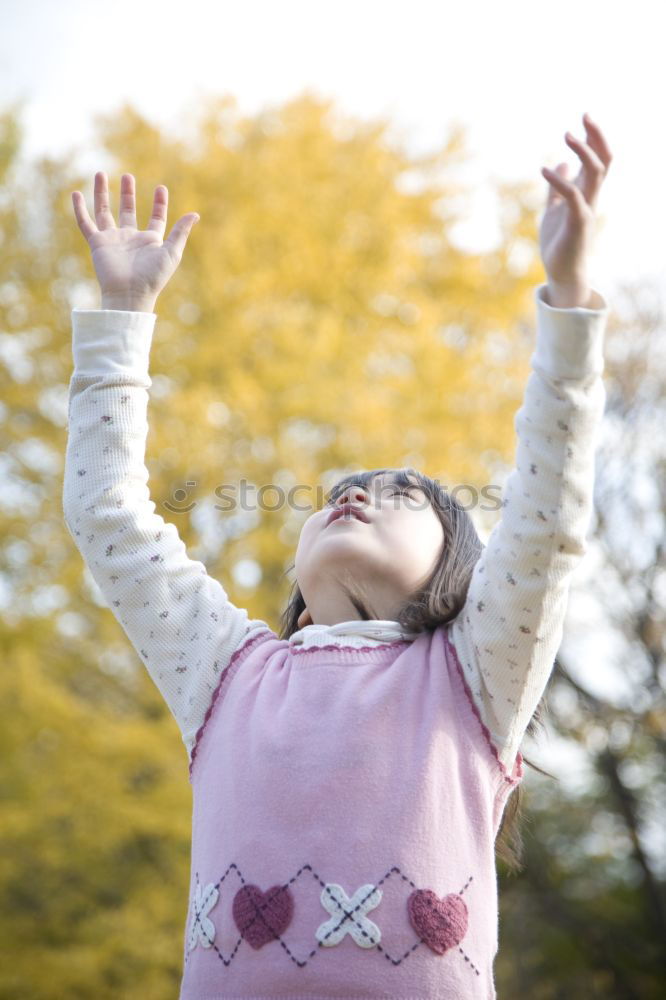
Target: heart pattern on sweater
<point>440,923</point>
<point>262,916</point>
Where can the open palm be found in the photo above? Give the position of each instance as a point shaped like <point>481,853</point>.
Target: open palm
<point>128,260</point>
<point>566,226</point>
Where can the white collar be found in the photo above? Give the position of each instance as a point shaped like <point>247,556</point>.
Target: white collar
<point>377,629</point>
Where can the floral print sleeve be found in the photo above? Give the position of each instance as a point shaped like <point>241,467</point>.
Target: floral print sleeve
<point>177,617</point>
<point>509,631</point>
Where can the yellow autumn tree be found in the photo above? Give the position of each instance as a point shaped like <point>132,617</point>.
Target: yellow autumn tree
<point>323,319</point>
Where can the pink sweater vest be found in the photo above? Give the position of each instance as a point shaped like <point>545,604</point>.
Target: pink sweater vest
<point>345,807</point>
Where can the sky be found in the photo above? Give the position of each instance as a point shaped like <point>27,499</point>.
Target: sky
<point>516,73</point>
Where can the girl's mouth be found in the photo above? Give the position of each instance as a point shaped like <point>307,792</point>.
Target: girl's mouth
<point>348,512</point>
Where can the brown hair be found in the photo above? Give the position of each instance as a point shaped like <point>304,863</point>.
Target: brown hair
<point>438,602</point>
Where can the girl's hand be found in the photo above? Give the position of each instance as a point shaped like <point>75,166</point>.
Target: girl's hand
<point>132,265</point>
<point>566,227</point>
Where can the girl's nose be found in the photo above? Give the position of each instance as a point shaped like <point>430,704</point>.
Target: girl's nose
<point>355,494</point>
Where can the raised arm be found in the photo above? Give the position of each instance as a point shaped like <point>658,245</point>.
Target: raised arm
<point>177,617</point>
<point>509,631</point>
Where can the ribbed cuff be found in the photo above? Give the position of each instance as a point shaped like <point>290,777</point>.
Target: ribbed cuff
<point>570,342</point>
<point>108,341</point>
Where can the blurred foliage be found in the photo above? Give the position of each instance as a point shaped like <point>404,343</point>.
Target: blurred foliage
<point>323,319</point>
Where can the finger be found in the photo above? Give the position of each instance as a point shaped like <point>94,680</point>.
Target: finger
<point>127,211</point>
<point>592,171</point>
<point>597,141</point>
<point>554,196</point>
<point>160,202</point>
<point>103,214</point>
<point>86,225</point>
<point>569,191</point>
<point>178,236</point>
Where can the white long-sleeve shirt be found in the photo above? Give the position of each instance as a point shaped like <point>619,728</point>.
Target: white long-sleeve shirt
<point>180,620</point>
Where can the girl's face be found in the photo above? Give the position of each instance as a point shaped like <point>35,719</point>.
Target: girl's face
<point>391,554</point>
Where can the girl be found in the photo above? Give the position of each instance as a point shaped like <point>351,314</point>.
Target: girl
<point>350,774</point>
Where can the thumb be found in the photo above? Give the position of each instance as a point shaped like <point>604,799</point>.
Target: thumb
<point>177,238</point>
<point>554,195</point>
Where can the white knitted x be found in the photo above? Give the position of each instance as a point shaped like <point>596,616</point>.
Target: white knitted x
<point>202,927</point>
<point>349,915</point>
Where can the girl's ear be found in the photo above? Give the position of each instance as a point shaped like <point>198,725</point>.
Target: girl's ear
<point>304,619</point>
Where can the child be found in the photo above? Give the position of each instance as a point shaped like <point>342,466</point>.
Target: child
<point>349,775</point>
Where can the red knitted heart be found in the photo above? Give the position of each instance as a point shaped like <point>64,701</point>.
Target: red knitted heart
<point>262,917</point>
<point>440,923</point>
